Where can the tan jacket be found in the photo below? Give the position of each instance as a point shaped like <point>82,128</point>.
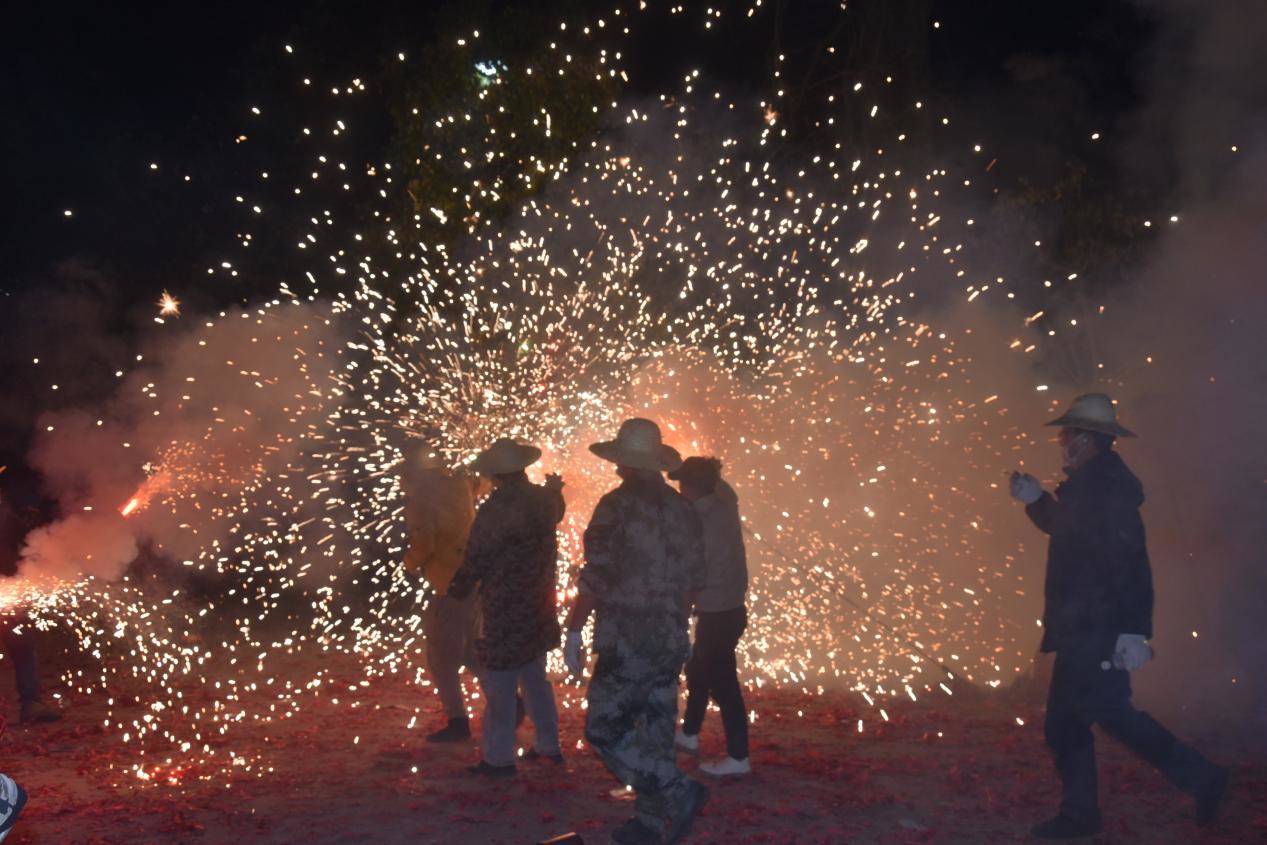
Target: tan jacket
<point>439,510</point>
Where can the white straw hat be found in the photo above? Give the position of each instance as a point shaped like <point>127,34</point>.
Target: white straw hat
<point>1093,412</point>
<point>504,456</point>
<point>638,445</point>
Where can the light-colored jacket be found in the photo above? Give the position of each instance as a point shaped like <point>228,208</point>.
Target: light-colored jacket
<point>439,511</point>
<point>726,562</point>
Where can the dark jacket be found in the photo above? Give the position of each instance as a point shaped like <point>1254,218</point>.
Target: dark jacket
<point>512,554</point>
<point>1099,584</point>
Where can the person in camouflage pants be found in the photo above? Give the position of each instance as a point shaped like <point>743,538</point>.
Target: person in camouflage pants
<point>644,558</point>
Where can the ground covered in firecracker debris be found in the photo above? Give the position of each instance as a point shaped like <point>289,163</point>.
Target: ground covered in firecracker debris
<point>943,770</point>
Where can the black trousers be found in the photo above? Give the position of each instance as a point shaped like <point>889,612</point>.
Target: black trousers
<point>20,648</point>
<point>1083,694</point>
<point>711,673</point>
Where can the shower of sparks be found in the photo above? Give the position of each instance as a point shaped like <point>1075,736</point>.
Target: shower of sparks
<point>761,312</point>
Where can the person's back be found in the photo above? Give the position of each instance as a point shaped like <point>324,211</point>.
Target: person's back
<point>642,552</point>
<point>513,553</point>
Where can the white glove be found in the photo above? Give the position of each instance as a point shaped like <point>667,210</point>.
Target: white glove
<point>1026,488</point>
<point>1131,652</point>
<point>573,653</point>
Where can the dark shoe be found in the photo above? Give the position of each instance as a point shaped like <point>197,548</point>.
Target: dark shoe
<point>1210,797</point>
<point>1063,827</point>
<point>520,711</point>
<point>37,712</point>
<point>458,730</point>
<point>680,822</point>
<point>534,755</point>
<point>634,832</point>
<point>485,770</point>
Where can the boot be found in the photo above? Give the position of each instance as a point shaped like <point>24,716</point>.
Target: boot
<point>1210,796</point>
<point>1188,769</point>
<point>634,832</point>
<point>483,769</point>
<point>686,742</point>
<point>682,819</point>
<point>37,712</point>
<point>1064,827</point>
<point>458,730</point>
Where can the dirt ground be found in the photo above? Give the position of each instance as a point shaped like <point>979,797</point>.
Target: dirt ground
<point>945,770</point>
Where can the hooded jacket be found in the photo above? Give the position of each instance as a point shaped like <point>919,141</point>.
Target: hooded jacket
<point>725,561</point>
<point>1099,583</point>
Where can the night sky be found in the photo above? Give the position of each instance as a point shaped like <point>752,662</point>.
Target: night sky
<point>98,92</point>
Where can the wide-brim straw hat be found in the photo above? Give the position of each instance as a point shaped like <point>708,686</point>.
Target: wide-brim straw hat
<point>505,456</point>
<point>1093,412</point>
<point>638,445</point>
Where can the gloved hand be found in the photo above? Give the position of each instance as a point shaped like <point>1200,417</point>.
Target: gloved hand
<point>574,653</point>
<point>1026,488</point>
<point>554,481</point>
<point>1131,652</point>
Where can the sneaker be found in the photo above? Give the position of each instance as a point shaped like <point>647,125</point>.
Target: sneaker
<point>12,800</point>
<point>634,832</point>
<point>727,767</point>
<point>37,712</point>
<point>485,770</point>
<point>1210,796</point>
<point>686,742</point>
<point>1063,827</point>
<point>458,730</point>
<point>681,820</point>
<point>535,755</point>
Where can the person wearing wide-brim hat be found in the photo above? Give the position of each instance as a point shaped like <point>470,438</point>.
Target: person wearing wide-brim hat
<point>644,558</point>
<point>512,557</point>
<point>1097,618</point>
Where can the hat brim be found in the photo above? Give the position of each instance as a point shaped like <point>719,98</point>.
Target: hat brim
<point>505,460</point>
<point>663,459</point>
<point>1098,426</point>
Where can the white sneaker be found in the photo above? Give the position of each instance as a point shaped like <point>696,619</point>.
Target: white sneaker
<point>727,767</point>
<point>686,742</point>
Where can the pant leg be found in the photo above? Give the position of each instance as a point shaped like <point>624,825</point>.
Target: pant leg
<point>630,722</point>
<point>448,623</point>
<point>698,675</point>
<point>1147,738</point>
<point>1068,732</point>
<point>499,715</point>
<point>725,686</point>
<point>541,707</point>
<point>20,648</point>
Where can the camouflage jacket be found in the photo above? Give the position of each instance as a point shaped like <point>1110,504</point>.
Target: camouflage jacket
<point>644,553</point>
<point>512,554</point>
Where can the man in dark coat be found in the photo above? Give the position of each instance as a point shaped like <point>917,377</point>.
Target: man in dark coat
<point>512,555</point>
<point>1097,619</point>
